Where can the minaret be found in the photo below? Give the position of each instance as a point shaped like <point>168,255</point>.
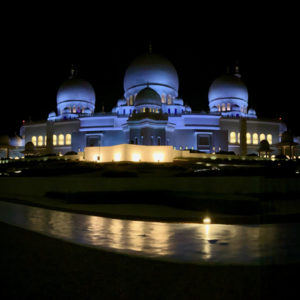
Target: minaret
<point>243,136</point>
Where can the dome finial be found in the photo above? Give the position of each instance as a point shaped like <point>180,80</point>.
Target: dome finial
<point>237,70</point>
<point>73,71</point>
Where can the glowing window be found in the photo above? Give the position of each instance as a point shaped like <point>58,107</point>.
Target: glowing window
<point>255,138</point>
<point>269,139</point>
<point>45,140</point>
<point>33,140</point>
<point>248,138</point>
<point>68,139</point>
<point>131,100</point>
<point>74,109</point>
<point>232,138</point>
<point>40,141</point>
<point>239,137</point>
<point>219,107</point>
<point>228,106</point>
<point>61,139</point>
<point>54,139</point>
<point>262,137</point>
<point>163,98</point>
<point>223,107</point>
<point>169,99</point>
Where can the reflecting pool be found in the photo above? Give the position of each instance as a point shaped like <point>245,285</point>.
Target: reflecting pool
<point>185,242</point>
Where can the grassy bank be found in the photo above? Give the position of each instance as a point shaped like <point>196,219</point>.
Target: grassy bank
<point>37,267</point>
<point>231,192</point>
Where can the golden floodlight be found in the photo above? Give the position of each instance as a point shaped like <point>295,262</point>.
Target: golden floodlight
<point>207,220</point>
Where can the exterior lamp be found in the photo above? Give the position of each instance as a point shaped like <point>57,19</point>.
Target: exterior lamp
<point>207,220</point>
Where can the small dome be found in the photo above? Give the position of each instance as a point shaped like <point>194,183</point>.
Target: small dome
<point>76,89</point>
<point>251,112</point>
<point>121,102</point>
<point>15,141</point>
<point>147,96</point>
<point>52,114</point>
<point>151,69</point>
<point>228,87</point>
<point>87,111</point>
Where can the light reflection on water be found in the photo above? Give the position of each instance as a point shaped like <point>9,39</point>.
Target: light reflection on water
<point>195,243</point>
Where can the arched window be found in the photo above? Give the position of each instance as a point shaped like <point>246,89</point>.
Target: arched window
<point>219,107</point>
<point>228,106</point>
<point>223,107</point>
<point>163,98</point>
<point>74,109</point>
<point>239,138</point>
<point>232,138</point>
<point>61,139</point>
<point>40,140</point>
<point>54,139</point>
<point>33,140</point>
<point>136,140</point>
<point>262,137</point>
<point>255,138</point>
<point>68,139</point>
<point>45,140</point>
<point>248,138</point>
<point>169,99</point>
<point>269,139</point>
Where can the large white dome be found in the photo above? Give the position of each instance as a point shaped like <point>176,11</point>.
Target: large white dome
<point>228,87</point>
<point>151,69</point>
<point>76,89</point>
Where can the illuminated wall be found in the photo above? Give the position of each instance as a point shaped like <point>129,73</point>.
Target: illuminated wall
<point>127,152</point>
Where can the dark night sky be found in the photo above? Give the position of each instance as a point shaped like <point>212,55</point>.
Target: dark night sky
<point>37,55</point>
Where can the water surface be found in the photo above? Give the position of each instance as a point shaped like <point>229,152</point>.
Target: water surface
<point>185,242</point>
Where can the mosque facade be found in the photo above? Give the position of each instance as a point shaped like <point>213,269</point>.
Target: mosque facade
<point>151,113</point>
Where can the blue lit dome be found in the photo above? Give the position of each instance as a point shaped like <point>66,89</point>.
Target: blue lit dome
<point>153,70</point>
<point>76,89</point>
<point>147,96</point>
<point>75,95</point>
<point>228,87</point>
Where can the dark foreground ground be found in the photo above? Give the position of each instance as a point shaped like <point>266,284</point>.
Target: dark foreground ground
<point>37,267</point>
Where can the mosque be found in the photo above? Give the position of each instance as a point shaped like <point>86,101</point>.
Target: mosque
<point>151,116</point>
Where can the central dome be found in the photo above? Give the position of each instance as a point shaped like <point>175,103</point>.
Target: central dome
<point>151,69</point>
<point>76,89</point>
<point>228,87</point>
<point>147,96</point>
